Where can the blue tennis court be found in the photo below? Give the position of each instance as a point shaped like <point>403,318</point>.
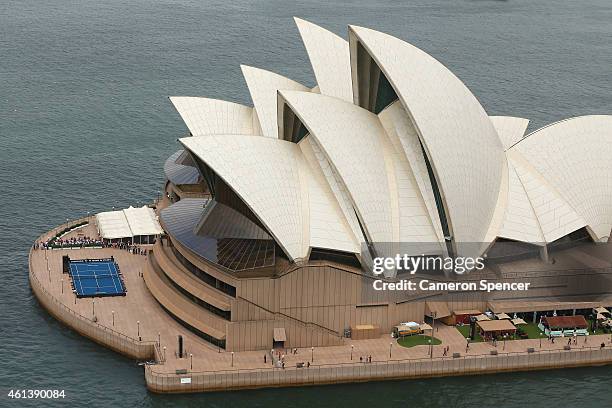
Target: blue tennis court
<point>96,277</point>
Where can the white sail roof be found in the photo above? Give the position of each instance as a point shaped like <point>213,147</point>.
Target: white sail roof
<point>432,154</point>
<point>463,147</point>
<point>351,138</point>
<point>330,59</point>
<point>274,180</point>
<point>574,157</point>
<point>510,129</point>
<point>204,116</point>
<point>264,86</point>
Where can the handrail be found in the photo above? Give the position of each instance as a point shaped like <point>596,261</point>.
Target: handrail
<point>381,363</point>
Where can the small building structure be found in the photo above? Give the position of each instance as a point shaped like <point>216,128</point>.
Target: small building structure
<point>463,316</point>
<point>493,329</point>
<point>558,326</point>
<point>132,225</point>
<point>365,331</point>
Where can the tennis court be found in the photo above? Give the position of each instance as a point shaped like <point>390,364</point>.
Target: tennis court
<point>96,277</point>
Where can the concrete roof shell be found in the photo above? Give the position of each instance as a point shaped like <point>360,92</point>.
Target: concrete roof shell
<point>457,134</point>
<point>205,116</point>
<point>274,180</point>
<point>264,86</point>
<point>330,59</point>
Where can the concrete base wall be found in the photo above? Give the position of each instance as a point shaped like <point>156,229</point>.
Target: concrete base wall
<point>360,372</point>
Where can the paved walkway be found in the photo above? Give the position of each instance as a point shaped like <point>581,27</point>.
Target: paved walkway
<point>139,306</point>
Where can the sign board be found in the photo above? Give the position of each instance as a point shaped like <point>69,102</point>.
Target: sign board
<point>186,380</point>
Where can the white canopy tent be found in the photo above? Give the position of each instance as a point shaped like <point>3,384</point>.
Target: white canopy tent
<point>138,225</point>
<point>113,225</point>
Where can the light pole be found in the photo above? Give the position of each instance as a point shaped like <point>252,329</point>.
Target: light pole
<point>158,339</point>
<point>49,270</point>
<point>62,286</point>
<point>390,347</point>
<point>312,354</point>
<point>138,328</point>
<point>232,358</point>
<point>505,336</point>
<point>164,354</point>
<point>352,347</point>
<point>191,362</point>
<point>430,348</point>
<point>93,306</point>
<point>541,334</point>
<point>433,322</point>
<point>113,313</point>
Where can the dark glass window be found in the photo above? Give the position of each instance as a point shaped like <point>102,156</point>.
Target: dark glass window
<point>385,95</point>
<point>439,203</point>
<point>205,277</point>
<point>345,258</point>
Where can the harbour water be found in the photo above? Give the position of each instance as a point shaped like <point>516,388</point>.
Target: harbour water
<point>85,126</point>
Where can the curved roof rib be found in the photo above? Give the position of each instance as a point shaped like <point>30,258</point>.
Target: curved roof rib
<point>458,137</point>
<point>403,135</point>
<point>556,217</point>
<point>510,129</point>
<point>320,164</point>
<point>204,116</point>
<point>574,157</point>
<point>233,158</point>
<point>520,220</point>
<point>330,59</point>
<point>351,138</point>
<point>264,86</point>
<point>328,226</point>
<point>288,199</point>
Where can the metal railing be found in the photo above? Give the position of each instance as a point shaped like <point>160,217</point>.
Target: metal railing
<point>376,370</point>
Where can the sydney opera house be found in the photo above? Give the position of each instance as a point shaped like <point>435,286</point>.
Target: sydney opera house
<point>271,211</point>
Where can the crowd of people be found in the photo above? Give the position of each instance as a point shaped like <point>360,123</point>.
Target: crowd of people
<point>80,242</point>
<point>69,243</point>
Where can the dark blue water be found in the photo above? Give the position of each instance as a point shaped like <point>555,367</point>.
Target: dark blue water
<point>85,125</point>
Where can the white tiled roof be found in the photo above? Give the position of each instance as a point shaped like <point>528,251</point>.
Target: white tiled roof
<point>273,178</point>
<point>351,138</point>
<point>509,129</point>
<point>574,158</point>
<point>358,173</point>
<point>457,134</point>
<point>263,86</point>
<point>330,59</point>
<point>204,116</point>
